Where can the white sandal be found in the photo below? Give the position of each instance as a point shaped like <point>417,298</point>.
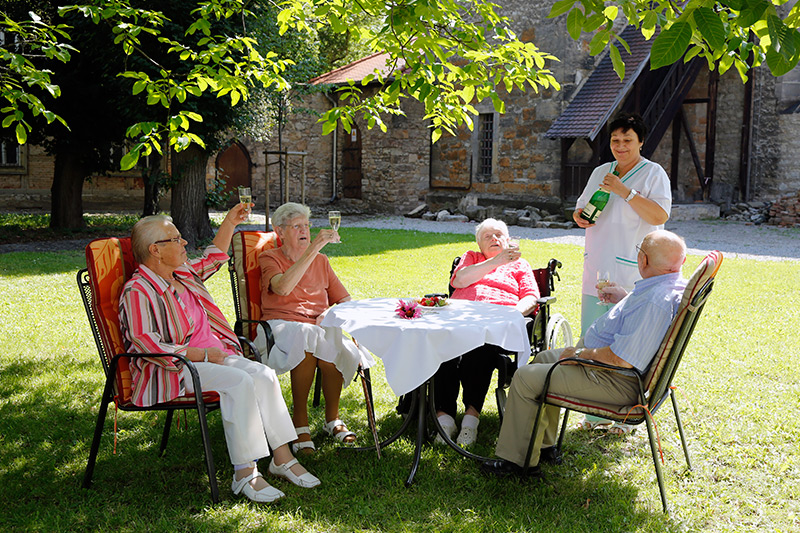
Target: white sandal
<point>307,480</point>
<point>330,426</point>
<point>303,445</point>
<point>266,495</point>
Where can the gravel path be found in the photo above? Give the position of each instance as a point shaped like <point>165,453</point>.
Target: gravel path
<point>734,239</point>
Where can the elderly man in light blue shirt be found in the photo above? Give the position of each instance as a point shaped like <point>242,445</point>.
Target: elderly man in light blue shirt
<point>627,336</point>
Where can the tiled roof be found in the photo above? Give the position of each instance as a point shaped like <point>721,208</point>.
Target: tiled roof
<point>603,92</point>
<point>357,70</point>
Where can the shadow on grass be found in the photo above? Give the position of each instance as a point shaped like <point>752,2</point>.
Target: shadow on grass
<point>47,427</point>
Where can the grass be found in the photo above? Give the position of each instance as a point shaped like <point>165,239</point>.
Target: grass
<point>738,389</point>
<point>27,227</point>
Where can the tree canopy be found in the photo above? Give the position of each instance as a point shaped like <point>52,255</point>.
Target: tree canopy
<point>739,33</point>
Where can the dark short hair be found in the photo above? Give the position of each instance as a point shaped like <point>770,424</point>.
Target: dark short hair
<point>628,121</point>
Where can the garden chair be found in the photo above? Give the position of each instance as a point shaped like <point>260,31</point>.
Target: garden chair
<point>245,275</point>
<point>110,264</point>
<point>655,385</point>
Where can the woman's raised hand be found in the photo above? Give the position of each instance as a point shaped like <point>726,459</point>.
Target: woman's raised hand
<point>238,214</point>
<point>612,183</point>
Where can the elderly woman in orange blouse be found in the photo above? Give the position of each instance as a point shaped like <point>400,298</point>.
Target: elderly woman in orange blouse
<point>298,286</point>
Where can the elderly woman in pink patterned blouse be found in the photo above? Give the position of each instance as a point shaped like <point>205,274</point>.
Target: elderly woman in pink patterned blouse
<point>166,308</point>
<point>497,274</point>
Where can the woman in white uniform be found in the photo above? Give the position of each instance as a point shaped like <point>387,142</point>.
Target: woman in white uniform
<point>640,202</point>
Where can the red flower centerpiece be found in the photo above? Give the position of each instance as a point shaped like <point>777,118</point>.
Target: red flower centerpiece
<point>408,309</point>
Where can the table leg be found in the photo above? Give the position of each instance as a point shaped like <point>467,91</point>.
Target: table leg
<point>397,434</point>
<point>422,402</point>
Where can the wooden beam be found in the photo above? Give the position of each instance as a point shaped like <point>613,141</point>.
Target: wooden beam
<point>693,149</point>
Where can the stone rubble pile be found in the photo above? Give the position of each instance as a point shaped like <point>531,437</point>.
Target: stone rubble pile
<point>786,211</point>
<point>528,217</point>
<point>750,212</point>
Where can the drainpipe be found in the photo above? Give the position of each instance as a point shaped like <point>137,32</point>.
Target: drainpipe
<point>334,152</point>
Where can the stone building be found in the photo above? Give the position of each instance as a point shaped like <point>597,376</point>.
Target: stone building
<point>723,141</point>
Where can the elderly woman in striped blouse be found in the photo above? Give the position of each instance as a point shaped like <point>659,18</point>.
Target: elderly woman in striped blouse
<point>165,308</point>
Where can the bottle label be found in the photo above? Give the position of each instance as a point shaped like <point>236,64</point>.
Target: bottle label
<point>588,212</point>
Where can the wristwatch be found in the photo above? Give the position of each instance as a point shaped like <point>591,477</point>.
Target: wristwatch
<point>630,196</point>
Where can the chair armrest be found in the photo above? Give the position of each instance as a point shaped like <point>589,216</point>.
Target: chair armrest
<point>547,300</point>
<point>112,369</point>
<point>590,363</point>
<point>251,346</point>
<point>237,328</point>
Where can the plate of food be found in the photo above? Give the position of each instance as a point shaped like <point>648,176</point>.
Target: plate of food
<point>433,301</point>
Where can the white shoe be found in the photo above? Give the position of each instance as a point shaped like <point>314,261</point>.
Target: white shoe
<point>307,480</point>
<point>266,495</point>
<point>449,427</point>
<point>469,430</point>
<point>467,436</point>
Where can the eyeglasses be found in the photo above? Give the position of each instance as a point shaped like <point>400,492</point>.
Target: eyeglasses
<point>176,240</point>
<point>298,227</point>
<point>639,249</point>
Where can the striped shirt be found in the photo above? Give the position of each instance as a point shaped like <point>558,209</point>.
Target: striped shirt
<point>155,320</point>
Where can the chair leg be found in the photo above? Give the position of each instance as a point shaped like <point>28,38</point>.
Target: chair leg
<point>165,434</point>
<point>212,472</point>
<point>500,396</point>
<point>539,415</point>
<point>317,388</point>
<point>98,432</point>
<point>680,429</point>
<point>563,430</point>
<point>659,473</point>
<point>368,378</point>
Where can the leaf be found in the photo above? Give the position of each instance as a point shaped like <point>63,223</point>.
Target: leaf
<point>129,160</point>
<point>751,13</point>
<point>22,135</point>
<point>575,21</point>
<point>558,9</point>
<point>670,45</point>
<point>710,26</point>
<point>598,42</point>
<point>616,61</point>
<point>436,135</point>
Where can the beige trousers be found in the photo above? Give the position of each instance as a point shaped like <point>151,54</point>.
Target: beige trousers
<point>569,380</point>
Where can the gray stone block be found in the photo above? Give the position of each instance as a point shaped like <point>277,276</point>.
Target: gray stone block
<point>417,212</point>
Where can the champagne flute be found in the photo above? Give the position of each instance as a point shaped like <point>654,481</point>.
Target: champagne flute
<point>335,220</point>
<point>602,282</point>
<point>513,242</point>
<point>245,198</point>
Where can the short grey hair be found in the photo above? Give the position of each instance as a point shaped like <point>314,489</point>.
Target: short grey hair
<point>145,232</point>
<point>288,211</point>
<point>490,222</point>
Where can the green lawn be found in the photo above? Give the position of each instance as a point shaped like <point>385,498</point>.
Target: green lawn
<point>739,388</point>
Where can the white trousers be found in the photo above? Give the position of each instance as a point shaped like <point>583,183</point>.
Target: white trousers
<point>254,414</point>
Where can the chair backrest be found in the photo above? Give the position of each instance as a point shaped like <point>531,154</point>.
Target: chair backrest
<point>109,265</point>
<point>662,370</point>
<point>246,274</point>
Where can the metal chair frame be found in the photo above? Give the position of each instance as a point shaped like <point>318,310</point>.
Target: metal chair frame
<point>203,403</point>
<point>652,397</point>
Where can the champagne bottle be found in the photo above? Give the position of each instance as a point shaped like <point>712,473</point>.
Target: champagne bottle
<point>596,204</point>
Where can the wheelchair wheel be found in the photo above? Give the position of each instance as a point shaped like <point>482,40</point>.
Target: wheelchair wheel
<point>559,332</point>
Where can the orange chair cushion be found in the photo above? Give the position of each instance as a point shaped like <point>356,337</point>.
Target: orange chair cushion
<point>247,245</point>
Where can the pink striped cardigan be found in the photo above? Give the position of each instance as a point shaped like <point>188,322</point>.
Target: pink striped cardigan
<point>154,320</point>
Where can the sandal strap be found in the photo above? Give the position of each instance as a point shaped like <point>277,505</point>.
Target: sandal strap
<point>302,429</point>
<point>330,426</point>
<point>240,483</point>
<point>287,465</point>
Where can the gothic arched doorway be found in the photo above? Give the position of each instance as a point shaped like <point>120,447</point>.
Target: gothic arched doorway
<point>234,166</point>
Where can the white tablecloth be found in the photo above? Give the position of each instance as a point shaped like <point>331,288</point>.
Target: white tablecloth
<point>412,350</point>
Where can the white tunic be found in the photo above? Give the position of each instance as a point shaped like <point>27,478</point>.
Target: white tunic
<point>611,242</point>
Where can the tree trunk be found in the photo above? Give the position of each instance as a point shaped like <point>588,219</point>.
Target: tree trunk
<point>66,193</point>
<point>152,186</point>
<point>189,210</point>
